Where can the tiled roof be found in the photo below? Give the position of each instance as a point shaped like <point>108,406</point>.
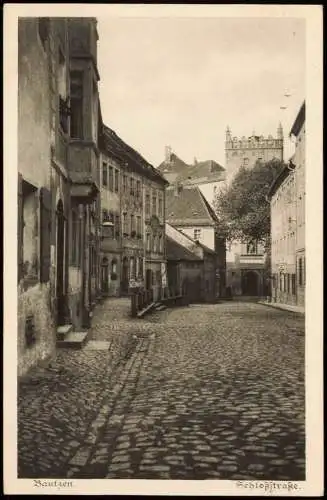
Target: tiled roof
<point>176,251</point>
<point>188,206</point>
<point>185,171</point>
<point>120,150</point>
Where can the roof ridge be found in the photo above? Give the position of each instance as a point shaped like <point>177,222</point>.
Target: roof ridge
<point>207,206</point>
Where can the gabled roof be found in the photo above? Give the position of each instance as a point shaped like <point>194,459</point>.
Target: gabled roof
<point>299,120</point>
<point>188,206</point>
<point>201,170</point>
<point>176,251</point>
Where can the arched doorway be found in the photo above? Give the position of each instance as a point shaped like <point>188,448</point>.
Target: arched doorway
<point>250,283</point>
<point>124,278</point>
<point>60,264</point>
<point>104,276</point>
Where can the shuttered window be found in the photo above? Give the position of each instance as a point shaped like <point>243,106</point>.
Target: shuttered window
<point>45,234</point>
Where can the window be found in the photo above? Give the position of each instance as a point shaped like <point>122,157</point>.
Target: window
<point>138,189</point>
<point>140,274</point>
<point>62,91</point>
<point>300,272</point>
<point>154,243</point>
<point>132,186</point>
<point>111,179</point>
<point>75,245</point>
<point>197,234</point>
<point>132,268</point>
<point>160,243</point>
<point>113,275</point>
<point>160,208</point>
<point>133,232</point>
<point>116,181</point>
<point>44,28</point>
<point>251,248</point>
<point>117,226</point>
<point>125,225</point>
<point>138,227</point>
<point>76,105</point>
<point>288,283</point>
<point>154,204</point>
<point>104,175</point>
<point>280,282</point>
<point>124,183</point>
<point>293,284</point>
<point>148,242</point>
<point>28,231</point>
<point>147,204</point>
<point>108,224</point>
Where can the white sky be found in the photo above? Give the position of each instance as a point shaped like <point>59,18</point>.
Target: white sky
<point>180,81</point>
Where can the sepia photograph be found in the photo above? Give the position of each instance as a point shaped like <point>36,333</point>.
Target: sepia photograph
<point>162,260</point>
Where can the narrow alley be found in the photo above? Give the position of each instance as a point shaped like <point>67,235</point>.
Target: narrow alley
<point>199,392</point>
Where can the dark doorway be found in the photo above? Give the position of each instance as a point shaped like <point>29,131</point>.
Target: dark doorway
<point>124,278</point>
<point>61,298</point>
<point>104,276</point>
<point>148,279</point>
<point>250,283</point>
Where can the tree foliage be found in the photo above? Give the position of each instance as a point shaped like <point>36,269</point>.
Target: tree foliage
<point>242,206</point>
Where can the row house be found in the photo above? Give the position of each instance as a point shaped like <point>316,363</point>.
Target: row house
<point>58,181</point>
<point>132,220</point>
<point>287,205</point>
<point>188,211</point>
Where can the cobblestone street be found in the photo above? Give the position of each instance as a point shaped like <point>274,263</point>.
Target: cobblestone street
<point>200,392</point>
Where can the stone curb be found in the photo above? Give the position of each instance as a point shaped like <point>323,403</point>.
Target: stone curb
<point>282,307</point>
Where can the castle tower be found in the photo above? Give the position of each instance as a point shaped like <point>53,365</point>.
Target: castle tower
<point>242,151</point>
<point>280,132</point>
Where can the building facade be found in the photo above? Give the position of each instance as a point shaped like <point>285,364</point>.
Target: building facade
<point>58,201</point>
<point>287,202</point>
<point>191,267</point>
<point>188,211</point>
<point>133,217</point>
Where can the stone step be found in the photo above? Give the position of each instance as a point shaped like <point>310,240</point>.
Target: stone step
<point>63,330</point>
<point>161,307</point>
<point>147,309</point>
<point>74,340</point>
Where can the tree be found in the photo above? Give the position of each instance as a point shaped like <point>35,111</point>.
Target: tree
<point>242,207</point>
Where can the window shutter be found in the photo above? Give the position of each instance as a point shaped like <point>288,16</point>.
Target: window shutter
<point>20,229</point>
<point>45,234</point>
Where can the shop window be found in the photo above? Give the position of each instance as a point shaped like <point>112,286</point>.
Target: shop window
<point>76,105</point>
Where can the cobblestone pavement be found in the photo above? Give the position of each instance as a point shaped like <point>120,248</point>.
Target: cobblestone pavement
<point>201,392</point>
